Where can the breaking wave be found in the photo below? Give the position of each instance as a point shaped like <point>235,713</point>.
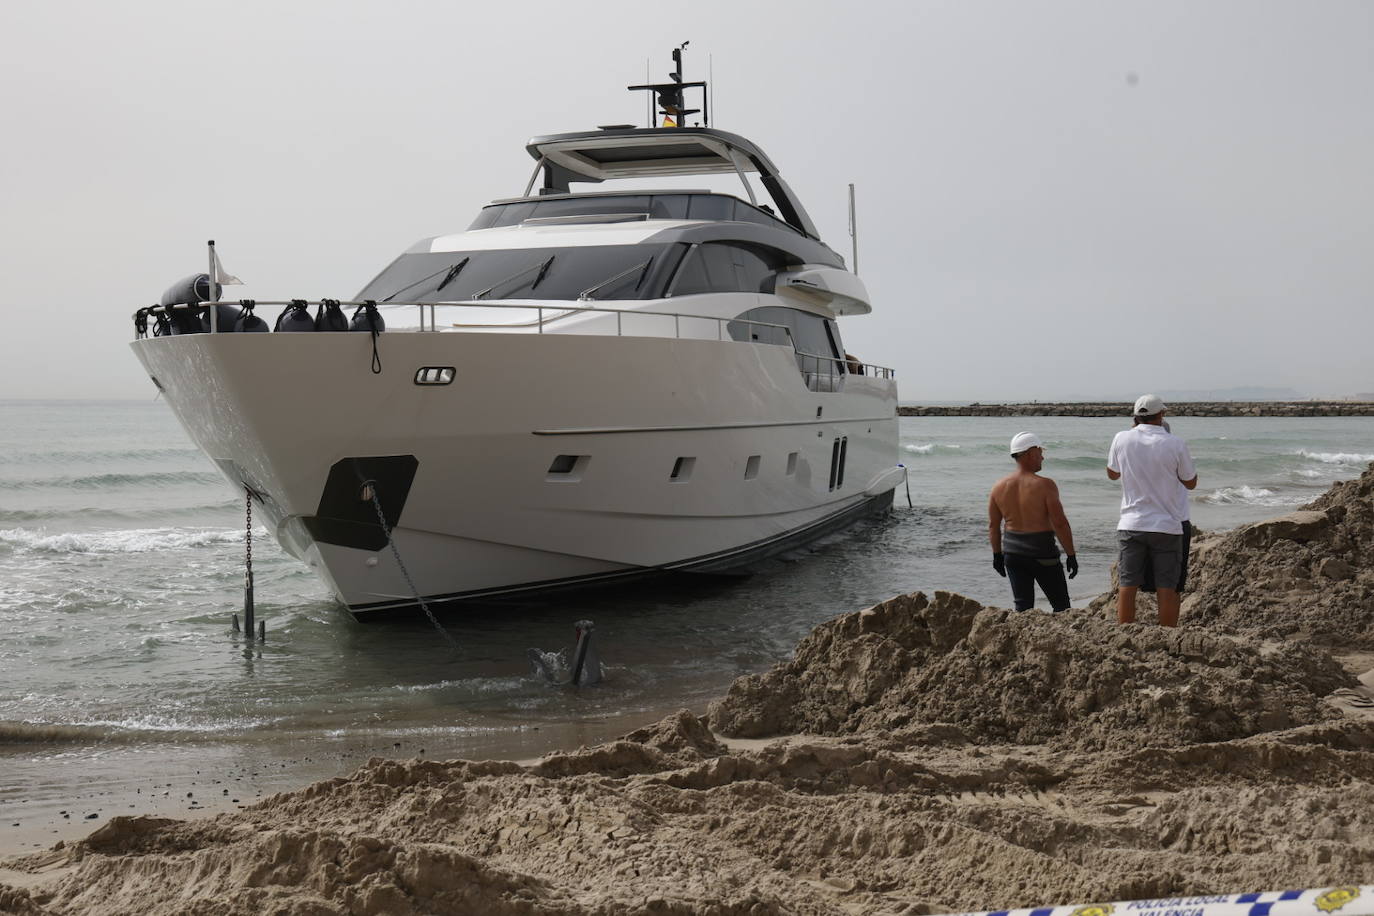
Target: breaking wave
<point>134,540</point>
<point>44,733</point>
<point>111,481</point>
<point>19,516</point>
<point>73,456</point>
<point>1354,458</point>
<point>928,448</point>
<point>126,729</point>
<point>1250,496</point>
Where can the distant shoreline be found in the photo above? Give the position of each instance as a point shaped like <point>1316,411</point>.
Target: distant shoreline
<point>1123,409</point>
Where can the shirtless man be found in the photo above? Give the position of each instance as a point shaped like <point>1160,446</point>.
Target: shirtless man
<point>1025,553</point>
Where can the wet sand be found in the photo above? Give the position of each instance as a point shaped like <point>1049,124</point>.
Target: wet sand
<point>200,779</point>
<point>927,754</point>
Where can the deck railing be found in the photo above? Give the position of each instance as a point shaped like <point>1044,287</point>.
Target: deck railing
<point>822,373</point>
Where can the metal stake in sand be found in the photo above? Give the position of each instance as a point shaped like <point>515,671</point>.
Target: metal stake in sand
<point>586,668</point>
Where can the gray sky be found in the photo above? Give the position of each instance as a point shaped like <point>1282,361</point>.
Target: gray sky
<point>1056,199</point>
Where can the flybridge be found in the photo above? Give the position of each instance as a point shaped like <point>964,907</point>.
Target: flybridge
<point>623,151</point>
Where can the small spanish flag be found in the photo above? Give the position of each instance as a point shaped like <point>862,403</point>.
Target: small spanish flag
<point>668,121</point>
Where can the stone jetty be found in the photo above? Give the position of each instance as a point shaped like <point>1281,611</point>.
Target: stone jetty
<point>1123,409</point>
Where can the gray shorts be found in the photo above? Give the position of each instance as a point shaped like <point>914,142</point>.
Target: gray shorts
<point>1165,551</point>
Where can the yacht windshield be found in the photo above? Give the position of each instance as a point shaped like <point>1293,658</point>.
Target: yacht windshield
<point>638,272</point>
<point>568,273</point>
<point>449,273</point>
<point>542,267</point>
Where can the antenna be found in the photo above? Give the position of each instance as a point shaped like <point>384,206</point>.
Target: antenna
<point>670,95</point>
<point>854,229</point>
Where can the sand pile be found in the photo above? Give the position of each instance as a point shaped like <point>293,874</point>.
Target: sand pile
<point>912,670</point>
<point>807,826</point>
<point>919,756</point>
<point>1309,573</point>
<point>1171,763</point>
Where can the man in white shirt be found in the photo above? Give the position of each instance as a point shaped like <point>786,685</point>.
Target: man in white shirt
<point>1156,472</point>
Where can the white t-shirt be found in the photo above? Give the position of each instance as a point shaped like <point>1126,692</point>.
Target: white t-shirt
<point>1153,465</point>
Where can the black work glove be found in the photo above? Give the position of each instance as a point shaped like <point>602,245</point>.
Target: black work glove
<point>1071,564</point>
<point>999,563</point>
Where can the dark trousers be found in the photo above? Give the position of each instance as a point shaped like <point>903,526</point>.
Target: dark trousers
<point>1024,572</point>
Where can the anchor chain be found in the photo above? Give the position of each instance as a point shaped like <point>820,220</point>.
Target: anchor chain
<point>248,531</point>
<point>370,488</point>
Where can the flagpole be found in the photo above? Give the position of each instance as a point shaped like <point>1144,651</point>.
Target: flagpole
<point>213,296</point>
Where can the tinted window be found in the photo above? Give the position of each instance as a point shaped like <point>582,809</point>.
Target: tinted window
<point>657,206</point>
<point>524,273</point>
<point>711,206</point>
<point>706,269</point>
<point>765,331</point>
<point>834,330</point>
<point>810,333</point>
<point>755,273</point>
<point>750,214</point>
<point>726,267</point>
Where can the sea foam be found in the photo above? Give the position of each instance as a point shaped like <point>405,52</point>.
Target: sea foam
<point>1336,457</point>
<point>1252,496</point>
<point>927,448</point>
<point>132,540</point>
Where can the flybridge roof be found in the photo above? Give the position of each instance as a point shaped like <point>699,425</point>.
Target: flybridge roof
<point>599,155</point>
<point>629,152</point>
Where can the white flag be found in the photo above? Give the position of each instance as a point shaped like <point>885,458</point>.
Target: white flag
<point>223,277</point>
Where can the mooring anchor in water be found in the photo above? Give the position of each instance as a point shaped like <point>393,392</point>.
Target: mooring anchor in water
<point>585,667</point>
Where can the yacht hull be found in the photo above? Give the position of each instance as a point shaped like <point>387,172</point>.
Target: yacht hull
<point>551,460</point>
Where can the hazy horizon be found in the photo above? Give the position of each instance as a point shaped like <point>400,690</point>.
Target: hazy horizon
<point>1167,395</point>
<point>1053,198</point>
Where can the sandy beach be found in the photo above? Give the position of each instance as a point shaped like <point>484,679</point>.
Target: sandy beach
<point>927,754</point>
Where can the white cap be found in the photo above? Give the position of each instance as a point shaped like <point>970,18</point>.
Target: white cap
<point>1023,441</point>
<point>1147,405</point>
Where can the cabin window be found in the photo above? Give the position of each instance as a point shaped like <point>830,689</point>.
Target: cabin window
<point>791,463</point>
<point>751,467</point>
<point>711,206</point>
<point>816,340</point>
<point>810,332</point>
<point>652,206</point>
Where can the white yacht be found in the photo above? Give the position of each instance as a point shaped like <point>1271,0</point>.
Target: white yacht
<point>587,385</point>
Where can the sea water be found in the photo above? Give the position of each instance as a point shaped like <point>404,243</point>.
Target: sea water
<point>121,561</point>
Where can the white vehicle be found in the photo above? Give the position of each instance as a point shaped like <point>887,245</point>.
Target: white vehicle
<point>594,385</point>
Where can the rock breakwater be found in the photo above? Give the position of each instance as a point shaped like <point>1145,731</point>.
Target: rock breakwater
<point>1123,409</point>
